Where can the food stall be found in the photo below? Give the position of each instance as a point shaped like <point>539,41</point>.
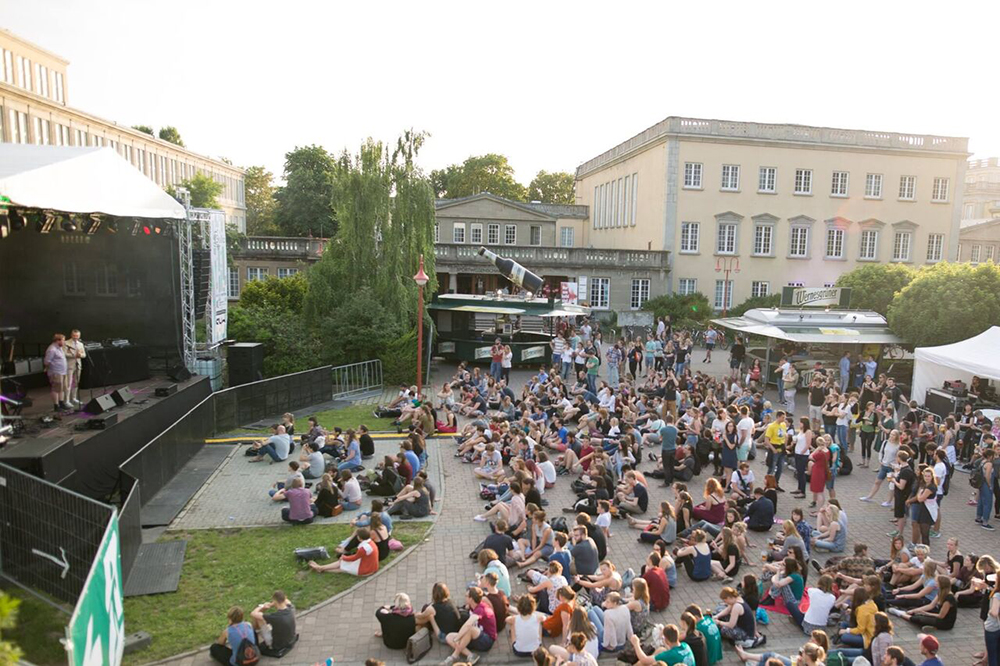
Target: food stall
<point>466,325</point>
<point>811,331</point>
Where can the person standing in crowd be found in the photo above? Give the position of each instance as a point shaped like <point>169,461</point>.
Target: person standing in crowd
<point>56,369</point>
<point>614,358</point>
<point>75,353</point>
<point>845,371</point>
<point>496,359</point>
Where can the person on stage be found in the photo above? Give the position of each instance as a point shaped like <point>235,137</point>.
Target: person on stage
<point>55,369</point>
<point>75,353</point>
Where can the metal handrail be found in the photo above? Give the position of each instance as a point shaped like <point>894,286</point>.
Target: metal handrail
<point>356,378</point>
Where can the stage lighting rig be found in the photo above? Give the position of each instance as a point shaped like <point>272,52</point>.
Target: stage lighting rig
<point>17,220</point>
<point>111,225</point>
<point>44,222</point>
<point>92,224</point>
<point>67,223</point>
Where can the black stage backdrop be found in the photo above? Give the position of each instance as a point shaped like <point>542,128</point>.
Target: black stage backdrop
<point>107,285</point>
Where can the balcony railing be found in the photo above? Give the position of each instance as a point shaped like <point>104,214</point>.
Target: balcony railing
<point>553,256</point>
<point>281,247</point>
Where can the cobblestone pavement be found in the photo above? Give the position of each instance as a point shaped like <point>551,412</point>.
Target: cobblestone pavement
<point>344,630</point>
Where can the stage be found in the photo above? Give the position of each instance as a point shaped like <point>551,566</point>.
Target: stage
<point>43,447</point>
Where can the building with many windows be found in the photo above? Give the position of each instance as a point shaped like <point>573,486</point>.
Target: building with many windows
<point>979,239</point>
<point>34,108</point>
<point>783,204</point>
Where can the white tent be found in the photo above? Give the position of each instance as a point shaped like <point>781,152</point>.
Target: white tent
<point>81,180</point>
<point>961,360</point>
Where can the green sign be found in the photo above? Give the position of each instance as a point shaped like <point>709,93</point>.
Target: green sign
<point>96,631</point>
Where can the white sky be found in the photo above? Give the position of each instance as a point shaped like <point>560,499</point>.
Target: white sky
<point>549,84</point>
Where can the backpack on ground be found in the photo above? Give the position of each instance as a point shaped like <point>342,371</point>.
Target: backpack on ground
<point>558,524</point>
<point>846,466</point>
<point>977,478</point>
<point>418,645</point>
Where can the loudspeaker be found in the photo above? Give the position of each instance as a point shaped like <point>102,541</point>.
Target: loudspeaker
<point>246,363</point>
<point>49,458</point>
<point>165,391</point>
<point>179,373</point>
<point>122,396</point>
<point>100,404</point>
<point>102,422</point>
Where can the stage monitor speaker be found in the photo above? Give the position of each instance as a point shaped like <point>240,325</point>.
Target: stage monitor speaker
<point>179,373</point>
<point>102,422</point>
<point>165,391</point>
<point>100,404</point>
<point>123,396</point>
<point>246,363</point>
<point>49,458</point>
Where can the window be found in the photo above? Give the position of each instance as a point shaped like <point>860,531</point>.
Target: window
<point>60,90</point>
<point>7,67</point>
<point>510,234</point>
<point>958,254</point>
<point>41,132</point>
<point>759,289</point>
<point>595,205</point>
<point>989,253</point>
<point>723,294</point>
<point>234,283</point>
<point>799,242</point>
<point>603,212</point>
<point>107,280</point>
<point>692,175</point>
<point>907,187</point>
<point>41,80</point>
<point>437,232</point>
<point>869,245</point>
<point>838,185</point>
<point>940,191</point>
<point>535,237</point>
<point>635,197</point>
<point>458,232</point>
<point>873,186</point>
<point>18,126</point>
<point>687,286</point>
<point>726,240</point>
<point>620,205</point>
<point>627,206</point>
<point>73,284</point>
<point>834,243</point>
<point>935,247</point>
<point>287,272</point>
<point>81,138</point>
<point>689,236</point>
<point>766,182</point>
<point>256,273</point>
<point>600,293</point>
<point>763,239</point>
<point>640,292</point>
<point>492,234</point>
<point>730,177</point>
<point>24,69</point>
<point>566,237</point>
<point>476,233</point>
<point>803,181</point>
<point>976,251</point>
<point>901,246</point>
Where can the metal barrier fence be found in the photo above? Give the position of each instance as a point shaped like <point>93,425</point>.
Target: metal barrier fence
<point>49,536</point>
<point>356,378</point>
<point>249,403</point>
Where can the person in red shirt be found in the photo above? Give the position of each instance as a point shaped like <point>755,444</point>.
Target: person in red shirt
<point>557,624</point>
<point>364,562</point>
<point>479,631</point>
<point>656,580</point>
<point>496,360</point>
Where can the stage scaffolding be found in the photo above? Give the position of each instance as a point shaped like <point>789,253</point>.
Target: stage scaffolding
<point>185,249</point>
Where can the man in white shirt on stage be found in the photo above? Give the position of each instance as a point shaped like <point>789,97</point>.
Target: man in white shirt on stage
<point>75,353</point>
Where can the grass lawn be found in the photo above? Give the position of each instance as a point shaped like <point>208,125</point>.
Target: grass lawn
<point>239,567</point>
<point>38,629</point>
<point>352,417</point>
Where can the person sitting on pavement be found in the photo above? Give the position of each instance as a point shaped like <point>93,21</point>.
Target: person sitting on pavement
<point>311,462</point>
<point>328,497</point>
<point>441,615</point>
<point>634,497</point>
<point>315,432</point>
<point>478,633</point>
<point>352,457</point>
<point>396,622</point>
<point>223,650</point>
<point>760,512</point>
<point>412,502</point>
<point>277,491</point>
<point>274,622</point>
<point>277,446</point>
<point>301,509</point>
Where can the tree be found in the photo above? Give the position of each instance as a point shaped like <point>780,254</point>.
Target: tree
<point>769,301</point>
<point>305,203</point>
<point>483,173</point>
<point>144,128</point>
<point>361,293</point>
<point>873,286</point>
<point>287,293</point>
<point>203,189</point>
<point>260,201</point>
<point>170,133</point>
<point>946,303</point>
<point>9,652</point>
<point>554,188</point>
<point>288,343</point>
<point>681,308</point>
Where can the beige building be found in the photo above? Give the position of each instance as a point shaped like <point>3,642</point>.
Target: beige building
<point>979,239</point>
<point>34,108</point>
<point>785,204</point>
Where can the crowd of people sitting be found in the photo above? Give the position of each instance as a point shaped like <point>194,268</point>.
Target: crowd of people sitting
<point>656,422</point>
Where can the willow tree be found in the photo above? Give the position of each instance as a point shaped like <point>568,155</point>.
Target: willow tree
<point>384,205</point>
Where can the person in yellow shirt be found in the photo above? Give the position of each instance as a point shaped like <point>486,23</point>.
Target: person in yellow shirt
<point>776,435</point>
<point>863,612</point>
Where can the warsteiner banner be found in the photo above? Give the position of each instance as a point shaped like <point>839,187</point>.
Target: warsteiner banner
<point>96,632</point>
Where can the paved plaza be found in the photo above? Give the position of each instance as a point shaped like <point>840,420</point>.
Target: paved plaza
<point>344,629</point>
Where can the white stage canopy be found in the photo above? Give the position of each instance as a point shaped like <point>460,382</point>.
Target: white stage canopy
<point>961,360</point>
<point>81,180</point>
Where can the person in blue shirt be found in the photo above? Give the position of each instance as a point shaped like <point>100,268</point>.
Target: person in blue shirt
<point>845,371</point>
<point>668,448</point>
<point>352,459</point>
<point>224,649</point>
<point>411,457</point>
<point>929,647</point>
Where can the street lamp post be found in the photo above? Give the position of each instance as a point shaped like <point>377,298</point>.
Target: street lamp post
<point>421,279</point>
<point>726,265</point>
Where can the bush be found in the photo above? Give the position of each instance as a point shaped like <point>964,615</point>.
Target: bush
<point>288,345</point>
<point>694,307</point>
<point>357,330</point>
<point>399,360</point>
